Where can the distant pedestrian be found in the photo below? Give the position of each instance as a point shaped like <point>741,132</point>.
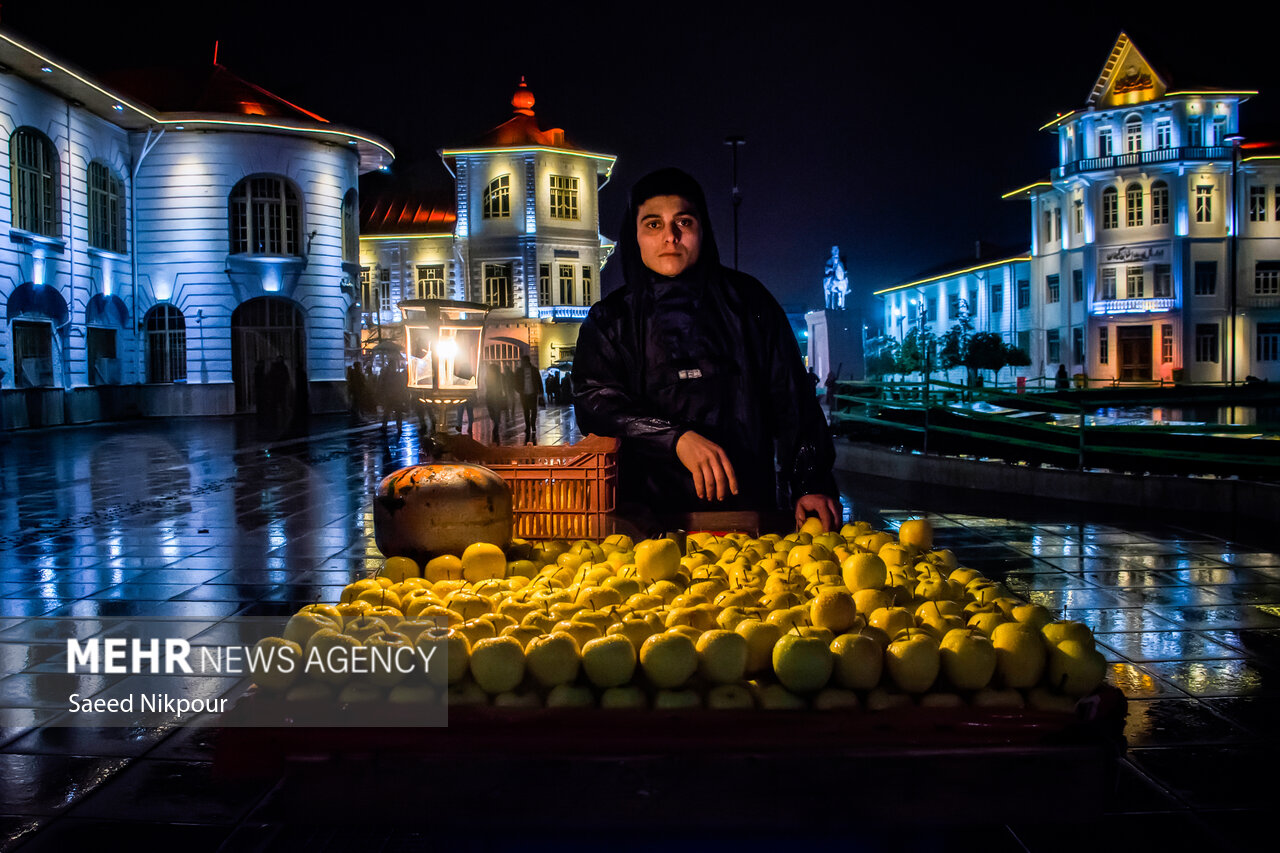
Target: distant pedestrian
<point>529,383</point>
<point>393,393</point>
<point>495,396</point>
<point>830,387</point>
<point>553,388</point>
<point>1061,380</point>
<point>278,393</point>
<point>355,388</point>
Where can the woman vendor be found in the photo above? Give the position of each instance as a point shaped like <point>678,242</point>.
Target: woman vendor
<point>695,368</point>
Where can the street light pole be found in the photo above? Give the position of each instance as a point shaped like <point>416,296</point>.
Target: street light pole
<point>735,142</point>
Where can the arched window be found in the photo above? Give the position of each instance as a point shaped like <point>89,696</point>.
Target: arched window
<point>106,209</point>
<point>497,198</point>
<point>497,285</point>
<point>1159,203</point>
<point>166,344</point>
<point>351,227</point>
<point>266,217</point>
<point>1133,205</point>
<point>1110,208</point>
<point>1133,134</point>
<point>33,162</point>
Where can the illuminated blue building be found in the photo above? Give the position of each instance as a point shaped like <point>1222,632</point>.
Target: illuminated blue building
<point>167,234</point>
<point>1155,242</point>
<point>520,233</point>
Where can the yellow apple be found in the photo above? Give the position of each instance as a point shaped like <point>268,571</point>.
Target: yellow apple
<point>497,664</point>
<point>400,568</point>
<point>968,658</point>
<point>834,698</point>
<point>730,697</point>
<point>626,696</point>
<point>722,656</point>
<point>917,533</point>
<point>1076,668</point>
<point>913,660</point>
<point>553,658</point>
<point>802,664</point>
<point>1020,654</point>
<point>303,624</point>
<point>668,659</point>
<point>609,661</point>
<point>761,636</point>
<point>276,663</point>
<point>863,571</point>
<point>859,660</point>
<point>833,609</point>
<point>446,567</point>
<point>657,559</point>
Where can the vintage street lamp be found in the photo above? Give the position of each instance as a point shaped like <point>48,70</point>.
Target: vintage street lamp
<point>443,341</point>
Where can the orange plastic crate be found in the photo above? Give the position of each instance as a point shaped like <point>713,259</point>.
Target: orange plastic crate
<point>558,491</point>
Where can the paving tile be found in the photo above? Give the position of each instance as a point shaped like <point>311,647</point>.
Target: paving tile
<point>1123,619</point>
<point>174,791</point>
<point>1211,777</point>
<point>1137,682</point>
<point>49,784</point>
<point>1141,646</point>
<point>1175,721</point>
<point>1213,677</point>
<point>1260,643</point>
<point>1219,617</point>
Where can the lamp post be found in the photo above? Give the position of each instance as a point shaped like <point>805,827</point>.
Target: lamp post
<point>735,142</point>
<point>443,341</point>
<point>1235,139</point>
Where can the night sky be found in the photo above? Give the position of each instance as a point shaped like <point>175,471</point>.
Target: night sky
<point>892,137</point>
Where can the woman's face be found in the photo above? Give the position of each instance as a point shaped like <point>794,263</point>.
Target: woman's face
<point>669,234</point>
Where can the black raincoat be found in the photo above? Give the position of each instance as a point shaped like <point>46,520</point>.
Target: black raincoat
<point>709,351</point>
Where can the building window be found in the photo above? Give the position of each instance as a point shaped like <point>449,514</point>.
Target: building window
<point>1276,195</point>
<point>1207,343</point>
<point>1133,135</point>
<point>32,354</point>
<point>953,305</point>
<point>1024,293</point>
<point>1104,346</point>
<point>1133,205</point>
<point>1159,203</point>
<point>1219,131</point>
<point>1110,208</point>
<point>384,289</point>
<point>166,344</point>
<point>1163,282</point>
<point>1206,281</point>
<point>1166,343</point>
<point>497,285</point>
<point>1057,223</point>
<point>586,284</point>
<point>1052,290</point>
<point>1024,342</point>
<point>1257,204</point>
<point>931,310</point>
<point>997,298</point>
<point>368,289</point>
<point>497,198</point>
<point>266,217</point>
<point>1195,132</point>
<point>1052,346</point>
<point>1077,287</point>
<point>34,172</point>
<point>106,209</point>
<point>1164,133</point>
<point>351,227</point>
<point>1108,284</point>
<point>544,284</point>
<point>566,284</point>
<point>431,281</point>
<point>564,197</point>
<point>1204,204</point>
<point>1134,284</point>
<point>1104,142</point>
<point>1079,217</point>
<point>1077,345</point>
<point>1048,226</point>
<point>1269,342</point>
<point>1266,278</point>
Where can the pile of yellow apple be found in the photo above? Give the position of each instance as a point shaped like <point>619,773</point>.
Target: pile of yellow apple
<point>858,618</point>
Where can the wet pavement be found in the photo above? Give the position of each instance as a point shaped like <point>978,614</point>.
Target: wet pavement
<point>200,525</point>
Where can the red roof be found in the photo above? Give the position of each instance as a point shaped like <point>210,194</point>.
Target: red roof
<point>206,89</point>
<point>407,212</point>
<point>521,130</point>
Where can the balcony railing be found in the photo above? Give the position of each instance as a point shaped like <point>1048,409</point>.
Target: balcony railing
<point>1134,306</point>
<point>1143,158</point>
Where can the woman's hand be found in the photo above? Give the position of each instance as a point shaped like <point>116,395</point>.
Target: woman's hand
<point>713,477</point>
<point>826,507</point>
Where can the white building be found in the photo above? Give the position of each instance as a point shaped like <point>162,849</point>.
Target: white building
<point>1155,243</point>
<point>165,238</point>
<point>521,235</point>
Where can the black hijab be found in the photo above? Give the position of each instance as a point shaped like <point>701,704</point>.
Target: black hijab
<point>669,181</point>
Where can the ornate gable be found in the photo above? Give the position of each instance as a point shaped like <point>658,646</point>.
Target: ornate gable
<point>1126,78</point>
